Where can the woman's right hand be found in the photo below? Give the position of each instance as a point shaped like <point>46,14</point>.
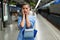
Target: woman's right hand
<point>23,19</point>
<point>23,13</point>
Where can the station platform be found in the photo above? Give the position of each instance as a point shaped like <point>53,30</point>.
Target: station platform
<point>46,31</point>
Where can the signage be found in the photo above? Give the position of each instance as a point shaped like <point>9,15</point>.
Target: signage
<point>57,2</point>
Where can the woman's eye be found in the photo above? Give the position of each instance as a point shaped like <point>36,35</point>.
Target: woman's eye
<point>26,8</point>
<point>23,8</point>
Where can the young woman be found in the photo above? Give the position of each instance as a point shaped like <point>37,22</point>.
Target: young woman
<point>25,21</point>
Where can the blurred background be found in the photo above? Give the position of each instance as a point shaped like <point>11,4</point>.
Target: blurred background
<point>47,14</point>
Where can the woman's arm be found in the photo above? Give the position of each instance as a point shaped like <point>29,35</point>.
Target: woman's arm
<point>22,22</point>
<point>30,21</point>
<point>27,22</point>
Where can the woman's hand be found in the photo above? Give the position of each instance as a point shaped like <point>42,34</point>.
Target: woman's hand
<point>27,21</point>
<point>23,19</point>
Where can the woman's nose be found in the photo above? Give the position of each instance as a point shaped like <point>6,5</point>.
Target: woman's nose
<point>25,10</point>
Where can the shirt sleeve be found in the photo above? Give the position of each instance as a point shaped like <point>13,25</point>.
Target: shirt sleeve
<point>32,21</point>
<point>19,21</point>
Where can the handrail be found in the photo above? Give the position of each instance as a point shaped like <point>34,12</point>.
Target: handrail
<point>37,4</point>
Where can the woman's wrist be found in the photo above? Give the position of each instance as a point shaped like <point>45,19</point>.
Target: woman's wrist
<point>23,16</point>
<point>26,16</point>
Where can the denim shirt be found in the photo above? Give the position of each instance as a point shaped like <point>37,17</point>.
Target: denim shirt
<point>32,21</point>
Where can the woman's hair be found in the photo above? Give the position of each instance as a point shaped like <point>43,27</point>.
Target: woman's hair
<point>25,4</point>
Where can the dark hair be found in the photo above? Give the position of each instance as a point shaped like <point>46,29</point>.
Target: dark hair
<point>25,4</point>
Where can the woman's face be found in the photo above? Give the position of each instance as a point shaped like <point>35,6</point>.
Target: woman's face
<point>26,9</point>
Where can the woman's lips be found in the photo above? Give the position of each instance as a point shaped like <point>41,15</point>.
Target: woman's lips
<point>25,12</point>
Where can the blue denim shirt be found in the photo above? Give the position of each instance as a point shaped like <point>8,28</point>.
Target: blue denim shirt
<point>32,21</point>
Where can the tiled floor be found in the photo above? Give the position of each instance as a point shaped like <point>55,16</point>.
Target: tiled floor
<point>46,31</point>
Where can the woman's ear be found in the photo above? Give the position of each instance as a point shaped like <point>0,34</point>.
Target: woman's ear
<point>30,8</point>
